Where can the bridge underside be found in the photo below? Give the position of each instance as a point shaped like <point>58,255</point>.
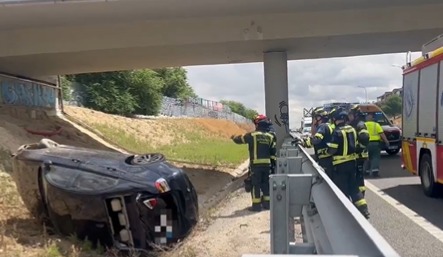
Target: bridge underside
<point>215,53</point>
<point>103,36</point>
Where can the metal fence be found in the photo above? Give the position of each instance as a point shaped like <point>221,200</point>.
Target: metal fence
<point>331,224</point>
<point>199,107</point>
<point>192,108</point>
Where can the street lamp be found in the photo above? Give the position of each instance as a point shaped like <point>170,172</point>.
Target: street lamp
<point>366,92</point>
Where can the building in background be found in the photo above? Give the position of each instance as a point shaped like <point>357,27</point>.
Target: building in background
<point>396,91</point>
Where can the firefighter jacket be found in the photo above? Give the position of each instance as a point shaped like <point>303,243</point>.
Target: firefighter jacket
<point>362,139</point>
<point>261,144</point>
<point>320,140</point>
<point>343,144</point>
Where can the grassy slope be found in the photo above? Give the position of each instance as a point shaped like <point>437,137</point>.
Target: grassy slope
<point>201,141</point>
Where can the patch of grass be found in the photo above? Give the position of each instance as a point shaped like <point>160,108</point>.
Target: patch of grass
<point>199,148</point>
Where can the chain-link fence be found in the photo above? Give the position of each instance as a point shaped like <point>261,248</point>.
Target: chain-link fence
<point>196,108</point>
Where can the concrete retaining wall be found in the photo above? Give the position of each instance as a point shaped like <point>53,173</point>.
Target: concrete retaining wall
<point>32,98</point>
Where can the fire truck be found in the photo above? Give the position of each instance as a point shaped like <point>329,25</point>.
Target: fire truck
<point>422,149</point>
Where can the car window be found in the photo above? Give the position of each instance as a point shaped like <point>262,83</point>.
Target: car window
<point>380,118</point>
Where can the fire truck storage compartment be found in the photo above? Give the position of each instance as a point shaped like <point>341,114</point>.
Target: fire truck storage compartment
<point>427,125</point>
<point>440,105</point>
<point>410,92</point>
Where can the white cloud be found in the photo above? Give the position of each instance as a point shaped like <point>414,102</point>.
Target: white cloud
<point>311,82</point>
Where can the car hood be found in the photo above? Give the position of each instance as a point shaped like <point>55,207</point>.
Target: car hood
<point>388,128</point>
<point>105,163</point>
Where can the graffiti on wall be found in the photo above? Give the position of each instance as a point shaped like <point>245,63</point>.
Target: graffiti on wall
<point>283,120</point>
<point>26,93</point>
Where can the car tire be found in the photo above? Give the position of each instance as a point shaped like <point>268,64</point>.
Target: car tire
<point>430,188</point>
<point>393,152</point>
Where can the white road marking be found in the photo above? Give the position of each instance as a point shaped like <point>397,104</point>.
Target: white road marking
<point>417,219</point>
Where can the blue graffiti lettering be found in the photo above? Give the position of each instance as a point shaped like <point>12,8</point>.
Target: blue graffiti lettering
<point>24,93</point>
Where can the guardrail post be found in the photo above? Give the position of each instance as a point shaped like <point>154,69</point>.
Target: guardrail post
<point>289,163</point>
<point>289,193</point>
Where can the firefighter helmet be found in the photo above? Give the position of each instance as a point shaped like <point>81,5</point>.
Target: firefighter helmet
<point>319,112</point>
<point>338,114</point>
<point>260,117</point>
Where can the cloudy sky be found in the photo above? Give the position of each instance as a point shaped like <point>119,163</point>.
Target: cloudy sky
<point>311,82</point>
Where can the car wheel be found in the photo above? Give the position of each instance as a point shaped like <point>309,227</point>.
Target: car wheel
<point>393,152</point>
<point>430,188</point>
<point>144,159</point>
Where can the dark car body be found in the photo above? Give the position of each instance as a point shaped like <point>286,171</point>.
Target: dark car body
<point>124,201</point>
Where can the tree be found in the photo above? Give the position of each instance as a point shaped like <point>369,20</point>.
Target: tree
<point>145,86</point>
<point>122,92</point>
<point>392,106</point>
<point>106,92</point>
<point>240,109</point>
<point>250,114</point>
<point>65,85</point>
<point>175,83</point>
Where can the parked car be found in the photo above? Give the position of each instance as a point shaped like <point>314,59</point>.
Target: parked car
<point>119,200</point>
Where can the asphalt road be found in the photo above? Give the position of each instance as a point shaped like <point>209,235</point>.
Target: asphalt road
<point>405,235</point>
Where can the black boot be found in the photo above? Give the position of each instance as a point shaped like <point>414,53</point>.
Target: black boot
<point>265,205</point>
<point>364,210</point>
<point>256,207</point>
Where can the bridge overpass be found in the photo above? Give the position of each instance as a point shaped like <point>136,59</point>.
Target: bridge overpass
<point>43,38</point>
<point>60,37</point>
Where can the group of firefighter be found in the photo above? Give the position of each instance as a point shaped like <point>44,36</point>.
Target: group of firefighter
<point>340,139</point>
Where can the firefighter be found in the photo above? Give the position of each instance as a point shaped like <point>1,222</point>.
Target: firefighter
<point>343,149</point>
<point>320,139</point>
<point>315,120</point>
<point>262,149</point>
<point>270,129</point>
<point>356,120</point>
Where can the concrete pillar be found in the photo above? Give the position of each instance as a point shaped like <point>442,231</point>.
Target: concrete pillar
<point>276,92</point>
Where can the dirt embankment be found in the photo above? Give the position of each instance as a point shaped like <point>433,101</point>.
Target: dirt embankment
<point>158,131</point>
<point>20,234</point>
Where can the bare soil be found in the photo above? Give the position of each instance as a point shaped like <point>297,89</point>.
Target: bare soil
<point>232,231</point>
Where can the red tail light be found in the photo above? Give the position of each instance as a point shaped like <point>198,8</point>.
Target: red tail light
<point>150,203</point>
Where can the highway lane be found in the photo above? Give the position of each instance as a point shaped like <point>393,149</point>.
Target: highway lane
<point>401,231</point>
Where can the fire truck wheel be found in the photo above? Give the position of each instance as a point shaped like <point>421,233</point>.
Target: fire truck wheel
<point>430,188</point>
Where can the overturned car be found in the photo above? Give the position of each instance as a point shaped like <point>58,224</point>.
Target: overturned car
<point>118,200</point>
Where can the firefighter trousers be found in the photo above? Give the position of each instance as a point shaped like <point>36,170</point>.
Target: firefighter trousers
<point>345,178</point>
<point>361,163</point>
<point>326,164</point>
<point>260,185</point>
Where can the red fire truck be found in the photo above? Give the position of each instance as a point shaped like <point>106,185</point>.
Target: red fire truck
<point>422,120</point>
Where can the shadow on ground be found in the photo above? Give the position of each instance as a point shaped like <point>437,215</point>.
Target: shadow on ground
<point>208,183</point>
<point>390,166</point>
<point>412,196</point>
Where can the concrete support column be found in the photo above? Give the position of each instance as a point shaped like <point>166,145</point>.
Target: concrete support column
<point>276,92</point>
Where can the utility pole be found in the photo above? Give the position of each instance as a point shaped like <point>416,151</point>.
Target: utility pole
<point>366,92</point>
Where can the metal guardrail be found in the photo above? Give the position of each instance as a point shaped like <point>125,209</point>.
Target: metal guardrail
<point>331,224</point>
